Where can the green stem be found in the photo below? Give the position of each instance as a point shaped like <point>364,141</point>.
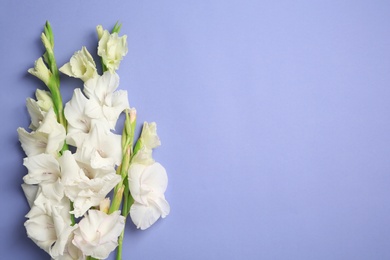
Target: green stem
<point>120,244</point>
<point>127,201</point>
<point>58,104</point>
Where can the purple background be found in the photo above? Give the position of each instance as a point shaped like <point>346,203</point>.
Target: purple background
<point>273,116</point>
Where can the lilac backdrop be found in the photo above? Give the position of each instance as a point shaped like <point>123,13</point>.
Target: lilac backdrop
<point>273,116</point>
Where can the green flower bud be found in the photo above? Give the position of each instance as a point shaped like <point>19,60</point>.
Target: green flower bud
<point>44,100</point>
<point>41,71</point>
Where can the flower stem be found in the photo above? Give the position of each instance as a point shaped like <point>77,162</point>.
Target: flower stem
<point>120,244</point>
<point>127,201</point>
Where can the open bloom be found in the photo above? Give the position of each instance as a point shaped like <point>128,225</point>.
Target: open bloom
<point>50,226</point>
<point>101,148</point>
<point>147,185</point>
<point>104,102</point>
<point>81,65</point>
<point>80,125</point>
<point>48,138</point>
<point>98,232</point>
<point>41,168</point>
<point>112,49</point>
<point>84,185</point>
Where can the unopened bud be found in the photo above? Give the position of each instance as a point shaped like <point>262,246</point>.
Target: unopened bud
<point>44,99</point>
<point>99,30</point>
<point>105,205</point>
<point>133,114</point>
<point>41,71</point>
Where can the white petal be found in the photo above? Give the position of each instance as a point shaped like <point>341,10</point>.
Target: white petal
<point>93,109</point>
<point>66,69</point>
<point>155,178</point>
<point>63,232</point>
<point>104,103</point>
<point>35,113</point>
<point>145,180</point>
<point>144,216</point>
<point>75,112</point>
<point>98,233</point>
<point>106,143</point>
<point>143,156</point>
<point>32,143</point>
<point>99,87</point>
<point>41,230</point>
<point>53,191</point>
<point>86,186</point>
<point>161,204</point>
<point>41,168</point>
<point>69,167</point>
<point>48,138</point>
<point>56,132</point>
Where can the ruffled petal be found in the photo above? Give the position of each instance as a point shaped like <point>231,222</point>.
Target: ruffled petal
<point>98,233</point>
<point>144,216</point>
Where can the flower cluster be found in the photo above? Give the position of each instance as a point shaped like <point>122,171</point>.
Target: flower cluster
<point>71,216</point>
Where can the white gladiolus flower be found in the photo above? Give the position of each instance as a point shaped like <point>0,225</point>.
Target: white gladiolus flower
<point>48,138</point>
<point>81,65</point>
<point>104,102</point>
<point>84,185</point>
<point>101,147</point>
<point>51,229</point>
<point>41,168</point>
<point>112,49</point>
<point>97,234</point>
<point>147,184</point>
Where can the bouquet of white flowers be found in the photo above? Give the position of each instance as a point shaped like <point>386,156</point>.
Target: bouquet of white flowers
<point>74,159</point>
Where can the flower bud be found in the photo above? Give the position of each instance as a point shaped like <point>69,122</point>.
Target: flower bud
<point>41,71</point>
<point>112,49</point>
<point>105,205</point>
<point>44,100</point>
<point>149,135</point>
<point>133,114</point>
<point>99,30</point>
<point>81,65</point>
